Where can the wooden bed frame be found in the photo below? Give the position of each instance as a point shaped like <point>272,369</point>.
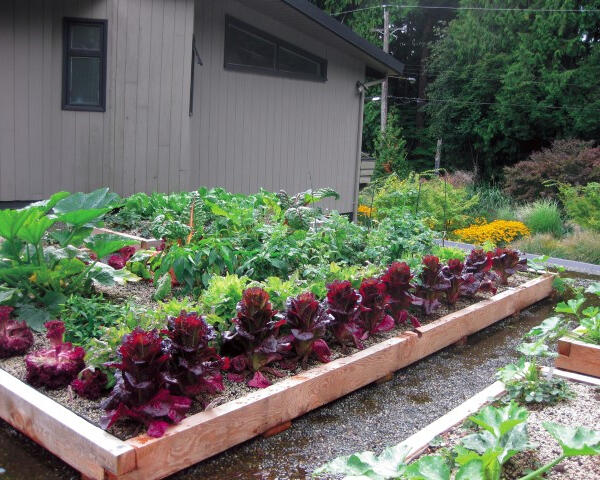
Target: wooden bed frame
<point>578,356</point>
<point>99,455</point>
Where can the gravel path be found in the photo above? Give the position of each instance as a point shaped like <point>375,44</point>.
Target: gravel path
<point>369,419</point>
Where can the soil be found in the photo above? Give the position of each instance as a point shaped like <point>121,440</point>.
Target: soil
<point>141,294</point>
<point>582,410</point>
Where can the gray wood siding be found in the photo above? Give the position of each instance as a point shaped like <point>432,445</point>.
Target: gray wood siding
<point>252,131</point>
<point>141,142</point>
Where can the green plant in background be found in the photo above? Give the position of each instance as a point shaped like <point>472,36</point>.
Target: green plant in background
<point>582,204</point>
<point>581,245</point>
<point>524,380</point>
<point>390,151</point>
<point>542,216</point>
<point>442,205</point>
<point>492,203</point>
<point>40,277</point>
<point>220,299</point>
<point>446,253</point>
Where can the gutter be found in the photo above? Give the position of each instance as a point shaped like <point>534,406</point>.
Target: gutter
<point>362,88</point>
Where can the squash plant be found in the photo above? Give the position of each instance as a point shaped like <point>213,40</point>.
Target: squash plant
<point>38,277</point>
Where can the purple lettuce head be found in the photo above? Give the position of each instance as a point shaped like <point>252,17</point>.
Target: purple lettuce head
<point>506,262</point>
<point>255,342</point>
<point>398,296</point>
<point>343,303</point>
<point>194,366</point>
<point>432,284</point>
<point>117,262</point>
<point>57,366</point>
<point>138,393</point>
<point>15,337</point>
<point>479,264</point>
<point>308,321</point>
<point>453,272</point>
<point>90,383</point>
<point>373,317</point>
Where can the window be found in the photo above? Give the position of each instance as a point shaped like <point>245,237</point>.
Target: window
<point>249,49</point>
<point>84,65</point>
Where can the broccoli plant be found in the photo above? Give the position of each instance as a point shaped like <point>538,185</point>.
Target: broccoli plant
<point>15,336</point>
<point>194,366</point>
<point>343,303</point>
<point>308,321</point>
<point>56,366</point>
<point>139,393</point>
<point>432,284</point>
<point>373,317</point>
<point>255,342</point>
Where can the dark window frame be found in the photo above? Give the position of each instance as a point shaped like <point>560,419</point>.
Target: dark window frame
<point>279,43</point>
<point>69,52</point>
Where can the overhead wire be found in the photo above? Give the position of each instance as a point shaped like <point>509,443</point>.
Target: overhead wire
<point>491,9</point>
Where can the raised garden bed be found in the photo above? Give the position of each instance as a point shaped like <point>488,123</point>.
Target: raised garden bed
<point>97,454</point>
<point>577,356</point>
<point>446,431</point>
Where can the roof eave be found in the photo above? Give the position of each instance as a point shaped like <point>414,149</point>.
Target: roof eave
<point>391,64</point>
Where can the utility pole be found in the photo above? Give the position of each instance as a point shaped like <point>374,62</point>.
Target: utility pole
<point>384,85</point>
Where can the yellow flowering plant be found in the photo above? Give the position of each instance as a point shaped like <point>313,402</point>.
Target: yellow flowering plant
<point>498,232</point>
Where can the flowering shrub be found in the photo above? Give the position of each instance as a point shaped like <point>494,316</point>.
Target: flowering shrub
<point>365,210</point>
<point>498,232</point>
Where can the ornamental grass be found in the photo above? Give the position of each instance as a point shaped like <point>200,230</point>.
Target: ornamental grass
<point>498,232</point>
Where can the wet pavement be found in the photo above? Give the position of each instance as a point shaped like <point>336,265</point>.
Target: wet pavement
<point>368,419</point>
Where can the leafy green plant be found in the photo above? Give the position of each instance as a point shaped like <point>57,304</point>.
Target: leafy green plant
<point>41,276</point>
<point>86,318</point>
<point>582,204</point>
<point>503,434</point>
<point>390,151</point>
<point>220,299</point>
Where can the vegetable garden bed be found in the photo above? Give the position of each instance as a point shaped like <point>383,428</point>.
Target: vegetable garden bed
<point>577,356</point>
<point>97,454</point>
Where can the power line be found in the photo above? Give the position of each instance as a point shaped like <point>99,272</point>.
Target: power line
<point>485,9</point>
<point>425,100</point>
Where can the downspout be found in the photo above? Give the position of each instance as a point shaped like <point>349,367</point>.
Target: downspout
<point>362,88</point>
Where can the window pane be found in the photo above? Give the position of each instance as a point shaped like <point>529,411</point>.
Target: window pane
<point>84,81</point>
<point>86,37</point>
<point>292,62</point>
<point>247,49</point>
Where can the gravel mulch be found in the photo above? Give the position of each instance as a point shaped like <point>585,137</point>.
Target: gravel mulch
<point>582,410</point>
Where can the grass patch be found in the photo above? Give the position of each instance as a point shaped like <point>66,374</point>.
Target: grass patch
<point>581,246</point>
<point>542,216</point>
